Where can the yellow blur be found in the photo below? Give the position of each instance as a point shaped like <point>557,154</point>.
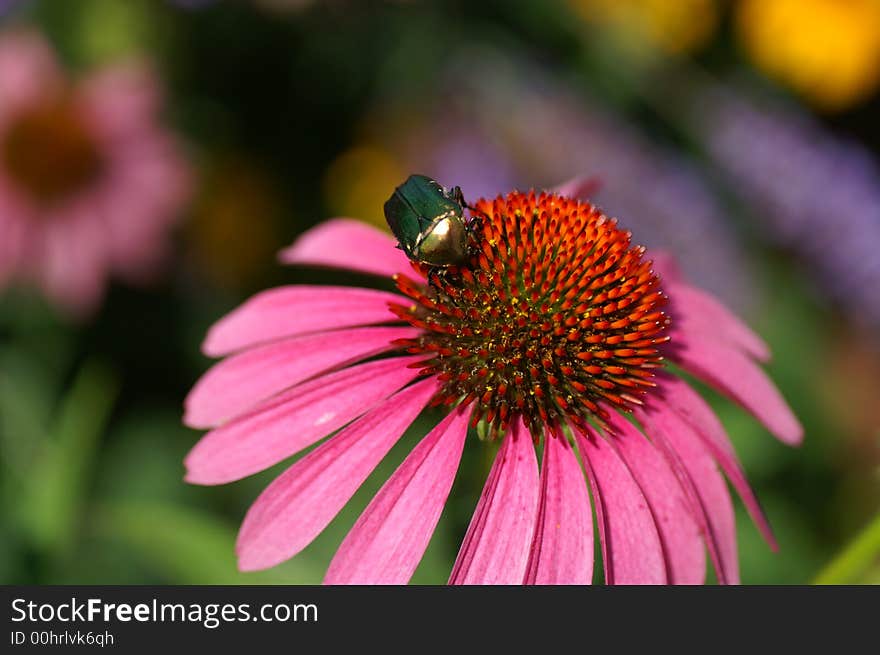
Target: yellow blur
<point>357,183</point>
<point>827,50</point>
<point>673,26</point>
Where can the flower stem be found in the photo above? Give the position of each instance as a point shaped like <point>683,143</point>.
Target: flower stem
<point>856,558</point>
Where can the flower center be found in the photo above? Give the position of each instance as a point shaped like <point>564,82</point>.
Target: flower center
<point>553,313</point>
<point>49,152</point>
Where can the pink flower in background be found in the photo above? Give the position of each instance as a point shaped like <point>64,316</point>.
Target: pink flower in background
<point>90,183</point>
<point>548,338</point>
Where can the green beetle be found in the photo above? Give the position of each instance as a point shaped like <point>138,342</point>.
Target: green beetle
<point>428,221</point>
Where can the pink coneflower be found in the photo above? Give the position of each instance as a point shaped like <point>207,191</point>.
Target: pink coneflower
<point>89,183</point>
<point>550,337</point>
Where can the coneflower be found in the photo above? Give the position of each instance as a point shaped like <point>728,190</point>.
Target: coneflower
<point>551,337</point>
<point>90,181</point>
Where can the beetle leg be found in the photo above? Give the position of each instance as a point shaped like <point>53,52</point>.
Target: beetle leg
<point>458,196</point>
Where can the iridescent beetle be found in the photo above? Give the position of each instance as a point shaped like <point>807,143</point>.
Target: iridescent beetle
<point>428,221</point>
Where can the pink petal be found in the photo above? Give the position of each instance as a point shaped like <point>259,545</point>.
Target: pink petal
<point>347,243</point>
<point>666,266</point>
<point>74,266</point>
<point>579,188</point>
<point>239,382</point>
<point>688,404</point>
<point>734,375</point>
<point>495,549</point>
<point>631,546</point>
<point>390,537</point>
<point>300,503</point>
<point>122,100</point>
<point>679,532</point>
<point>14,229</point>
<point>562,546</point>
<point>698,313</point>
<point>28,71</point>
<point>152,169</point>
<point>294,420</point>
<point>293,310</point>
<point>697,469</point>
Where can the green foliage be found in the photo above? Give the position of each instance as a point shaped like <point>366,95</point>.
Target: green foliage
<point>180,544</point>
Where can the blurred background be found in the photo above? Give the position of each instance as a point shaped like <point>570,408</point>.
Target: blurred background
<point>743,136</point>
